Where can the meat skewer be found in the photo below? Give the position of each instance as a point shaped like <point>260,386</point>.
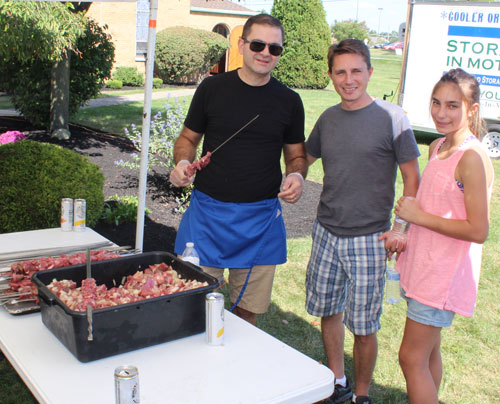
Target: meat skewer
<point>19,278</point>
<point>198,165</point>
<point>203,162</point>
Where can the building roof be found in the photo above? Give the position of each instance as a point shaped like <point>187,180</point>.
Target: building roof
<point>220,5</point>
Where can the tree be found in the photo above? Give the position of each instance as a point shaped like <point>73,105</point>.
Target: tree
<point>36,45</point>
<point>350,29</point>
<point>29,83</point>
<point>303,63</point>
<point>37,29</point>
<point>60,86</point>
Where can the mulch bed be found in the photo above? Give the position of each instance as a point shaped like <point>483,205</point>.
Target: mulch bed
<point>160,227</point>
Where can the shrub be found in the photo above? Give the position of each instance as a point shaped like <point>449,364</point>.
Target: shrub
<point>307,38</point>
<point>164,129</point>
<point>129,76</point>
<point>114,84</point>
<point>28,83</point>
<point>36,176</point>
<point>121,209</point>
<point>185,55</point>
<point>157,82</point>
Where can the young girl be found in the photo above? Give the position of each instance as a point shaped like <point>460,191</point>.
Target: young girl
<point>450,221</point>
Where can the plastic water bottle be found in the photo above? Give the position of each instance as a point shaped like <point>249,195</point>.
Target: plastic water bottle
<point>190,254</point>
<point>399,231</point>
<point>392,292</point>
<point>400,228</point>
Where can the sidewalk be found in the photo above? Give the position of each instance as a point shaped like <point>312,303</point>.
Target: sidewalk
<point>139,97</point>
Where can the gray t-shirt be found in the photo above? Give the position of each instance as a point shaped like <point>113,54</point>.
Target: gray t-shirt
<point>360,152</point>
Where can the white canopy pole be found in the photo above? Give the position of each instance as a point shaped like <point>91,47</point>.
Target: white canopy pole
<point>146,121</point>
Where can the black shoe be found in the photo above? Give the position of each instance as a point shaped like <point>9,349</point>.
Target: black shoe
<point>363,400</point>
<point>341,394</point>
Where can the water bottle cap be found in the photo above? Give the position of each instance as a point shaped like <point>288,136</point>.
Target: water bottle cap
<point>399,220</point>
<point>190,244</point>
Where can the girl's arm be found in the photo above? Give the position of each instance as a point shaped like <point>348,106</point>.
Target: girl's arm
<point>471,172</point>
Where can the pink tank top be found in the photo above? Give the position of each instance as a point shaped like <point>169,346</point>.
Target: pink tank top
<point>438,270</point>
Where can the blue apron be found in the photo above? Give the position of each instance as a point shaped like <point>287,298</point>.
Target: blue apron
<point>233,235</point>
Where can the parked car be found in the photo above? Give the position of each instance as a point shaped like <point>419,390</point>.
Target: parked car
<point>397,45</point>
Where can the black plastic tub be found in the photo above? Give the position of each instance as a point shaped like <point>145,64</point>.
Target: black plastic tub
<point>129,326</point>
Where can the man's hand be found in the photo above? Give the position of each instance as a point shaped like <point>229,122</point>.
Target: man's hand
<point>179,177</point>
<point>292,188</point>
<point>393,244</point>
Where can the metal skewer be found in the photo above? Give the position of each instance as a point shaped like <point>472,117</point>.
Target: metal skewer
<point>16,301</point>
<point>14,295</point>
<point>235,133</point>
<point>55,253</point>
<point>44,252</point>
<point>89,307</point>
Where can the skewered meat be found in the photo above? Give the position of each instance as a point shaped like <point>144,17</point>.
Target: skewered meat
<point>198,165</point>
<point>21,271</point>
<point>156,280</point>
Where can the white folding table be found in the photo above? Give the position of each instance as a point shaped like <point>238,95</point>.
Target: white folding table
<point>251,367</point>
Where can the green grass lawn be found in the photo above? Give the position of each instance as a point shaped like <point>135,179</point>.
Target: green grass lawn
<point>470,348</point>
<point>119,92</point>
<point>5,102</point>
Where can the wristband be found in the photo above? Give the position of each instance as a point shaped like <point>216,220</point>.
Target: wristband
<point>299,175</point>
<point>183,161</point>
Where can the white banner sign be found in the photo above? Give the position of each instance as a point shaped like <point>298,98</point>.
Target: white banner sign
<point>444,37</point>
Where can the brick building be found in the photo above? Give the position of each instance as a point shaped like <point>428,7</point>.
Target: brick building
<point>128,25</point>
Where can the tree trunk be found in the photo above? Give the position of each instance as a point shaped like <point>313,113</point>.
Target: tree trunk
<point>59,99</point>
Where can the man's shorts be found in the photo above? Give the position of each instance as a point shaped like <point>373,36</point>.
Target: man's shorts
<point>346,274</point>
<point>257,295</point>
<point>423,314</point>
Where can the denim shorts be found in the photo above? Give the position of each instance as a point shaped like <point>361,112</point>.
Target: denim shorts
<point>423,314</point>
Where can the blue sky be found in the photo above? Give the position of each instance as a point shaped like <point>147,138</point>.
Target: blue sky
<point>385,15</point>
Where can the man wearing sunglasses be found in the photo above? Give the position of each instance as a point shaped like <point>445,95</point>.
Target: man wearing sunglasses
<point>235,217</point>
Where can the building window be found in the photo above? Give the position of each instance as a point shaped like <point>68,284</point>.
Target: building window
<point>141,35</point>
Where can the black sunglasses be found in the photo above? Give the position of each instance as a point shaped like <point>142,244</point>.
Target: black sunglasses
<point>258,46</point>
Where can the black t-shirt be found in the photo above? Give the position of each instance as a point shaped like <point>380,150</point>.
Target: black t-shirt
<point>247,168</point>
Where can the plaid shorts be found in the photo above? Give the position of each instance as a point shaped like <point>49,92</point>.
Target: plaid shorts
<point>346,274</point>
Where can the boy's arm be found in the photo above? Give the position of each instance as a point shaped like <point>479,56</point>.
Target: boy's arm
<point>411,177</point>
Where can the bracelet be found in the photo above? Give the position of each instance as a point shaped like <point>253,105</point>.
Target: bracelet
<point>297,175</point>
<point>184,161</point>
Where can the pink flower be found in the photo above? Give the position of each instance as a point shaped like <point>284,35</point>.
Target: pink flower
<point>11,136</point>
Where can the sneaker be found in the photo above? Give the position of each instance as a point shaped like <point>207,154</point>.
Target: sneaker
<point>341,394</point>
<point>363,400</point>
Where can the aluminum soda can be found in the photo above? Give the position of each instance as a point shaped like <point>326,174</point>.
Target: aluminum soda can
<point>79,210</point>
<point>214,308</point>
<point>127,385</point>
<point>67,214</point>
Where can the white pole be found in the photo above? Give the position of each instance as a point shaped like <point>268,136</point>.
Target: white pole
<point>146,120</point>
<point>379,14</point>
